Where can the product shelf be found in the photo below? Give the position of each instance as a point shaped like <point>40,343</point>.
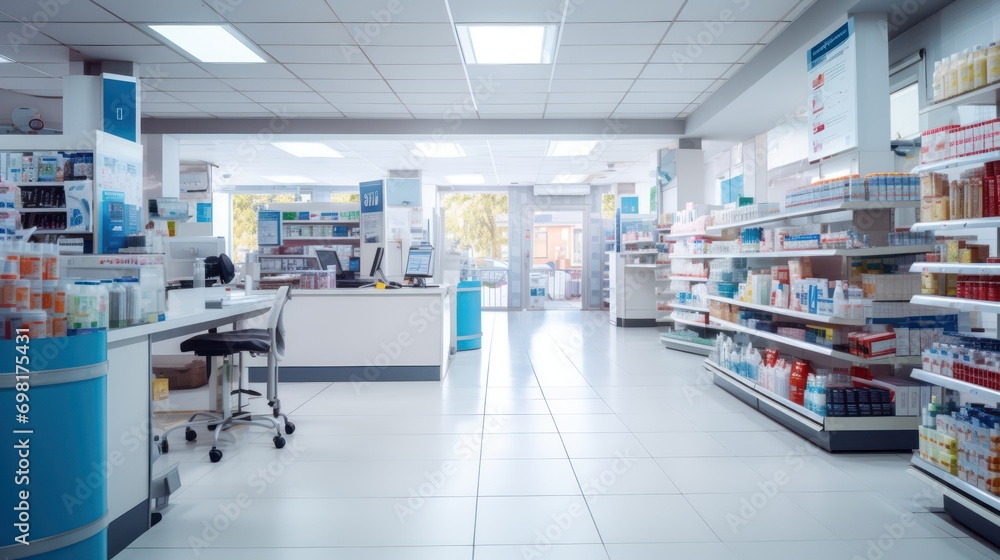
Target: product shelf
<point>816,348</point>
<point>691,257</point>
<point>955,384</point>
<point>685,346</point>
<point>705,234</point>
<point>323,238</point>
<point>698,325</point>
<point>961,161</point>
<point>971,223</point>
<point>867,252</point>
<point>986,95</point>
<point>861,205</point>
<point>968,504</point>
<point>811,317</point>
<point>957,303</point>
<point>318,222</point>
<point>979,269</point>
<point>834,434</point>
<point>40,210</point>
<point>635,252</point>
<point>687,278</point>
<point>689,307</point>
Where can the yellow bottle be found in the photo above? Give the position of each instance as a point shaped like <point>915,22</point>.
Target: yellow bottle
<point>938,81</point>
<point>993,63</point>
<point>951,76</point>
<point>965,80</point>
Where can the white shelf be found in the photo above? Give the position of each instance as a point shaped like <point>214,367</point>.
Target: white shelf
<point>640,242</point>
<point>954,484</point>
<point>842,207</point>
<point>811,317</point>
<point>958,303</point>
<point>750,384</point>
<point>645,265</point>
<point>687,278</point>
<point>40,210</point>
<point>52,183</point>
<point>981,269</point>
<point>705,234</point>
<point>696,324</point>
<point>645,252</point>
<point>956,384</point>
<point>333,238</point>
<point>691,257</point>
<point>950,225</point>
<point>318,222</point>
<point>689,307</point>
<point>817,349</point>
<point>662,229</point>
<point>986,95</point>
<point>963,161</point>
<point>869,252</point>
<point>685,346</point>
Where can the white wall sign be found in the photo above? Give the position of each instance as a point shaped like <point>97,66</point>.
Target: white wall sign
<point>833,103</point>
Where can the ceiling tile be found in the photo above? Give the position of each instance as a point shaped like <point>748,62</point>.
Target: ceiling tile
<point>259,71</point>
<point>422,71</point>
<point>591,85</point>
<point>581,108</point>
<point>702,98</point>
<point>19,71</point>
<point>299,108</point>
<point>35,83</point>
<point>217,108</point>
<point>588,97</point>
<point>380,11</point>
<point>676,85</point>
<point>334,71</point>
<point>717,33</point>
<point>511,98</point>
<point>613,33</point>
<point>604,54</point>
<point>348,85</point>
<point>510,71</point>
<point>371,108</point>
<point>191,84</point>
<point>210,96</point>
<point>395,116</point>
<point>267,85</point>
<point>485,87</point>
<point>774,32</point>
<point>56,70</point>
<point>168,108</point>
<point>366,97</point>
<point>98,34</point>
<point>732,71</point>
<point>284,96</point>
<point>550,114</point>
<point>432,111</point>
<point>485,108</point>
<point>412,55</point>
<point>66,12</point>
<point>194,11</point>
<point>141,54</point>
<point>728,10</point>
<point>329,114</point>
<point>646,108</point>
<point>508,11</point>
<point>659,97</point>
<point>690,71</point>
<point>442,99</point>
<point>270,11</point>
<point>35,53</point>
<point>661,10</point>
<point>326,54</point>
<point>751,53</point>
<point>689,54</point>
<point>328,33</point>
<point>155,71</point>
<point>14,33</point>
<point>178,115</point>
<point>597,71</point>
<point>430,86</point>
<point>427,34</point>
<point>156,97</point>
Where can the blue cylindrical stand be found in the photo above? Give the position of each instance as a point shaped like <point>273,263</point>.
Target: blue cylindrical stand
<point>469,315</point>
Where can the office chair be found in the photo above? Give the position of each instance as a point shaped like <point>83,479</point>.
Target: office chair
<point>225,344</point>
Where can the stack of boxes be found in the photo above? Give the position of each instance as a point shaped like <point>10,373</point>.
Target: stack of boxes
<point>965,444</point>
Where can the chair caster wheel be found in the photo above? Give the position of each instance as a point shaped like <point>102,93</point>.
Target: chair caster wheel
<point>279,442</point>
<point>215,455</point>
<point>289,428</point>
<point>190,434</point>
<point>164,447</point>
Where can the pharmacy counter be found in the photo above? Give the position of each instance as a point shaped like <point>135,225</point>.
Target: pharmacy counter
<point>128,470</point>
<point>367,334</point>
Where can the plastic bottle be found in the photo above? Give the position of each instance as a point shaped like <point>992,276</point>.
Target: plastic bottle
<point>199,274</point>
<point>797,382</point>
<point>938,82</point>
<point>951,76</point>
<point>101,294</point>
<point>22,295</point>
<point>8,291</point>
<point>978,67</point>
<point>31,262</point>
<point>993,63</point>
<point>116,304</point>
<point>965,79</point>
<point>48,295</point>
<point>35,300</point>
<point>50,261</point>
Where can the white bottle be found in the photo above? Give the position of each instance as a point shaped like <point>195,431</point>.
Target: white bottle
<point>938,82</point>
<point>978,67</point>
<point>199,274</point>
<point>965,80</point>
<point>993,63</point>
<point>951,76</point>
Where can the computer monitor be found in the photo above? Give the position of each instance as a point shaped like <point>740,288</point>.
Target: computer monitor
<point>354,264</point>
<point>419,265</point>
<point>377,262</point>
<point>328,258</point>
<point>181,252</point>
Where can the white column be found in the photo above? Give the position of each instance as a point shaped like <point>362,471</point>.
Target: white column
<point>874,153</point>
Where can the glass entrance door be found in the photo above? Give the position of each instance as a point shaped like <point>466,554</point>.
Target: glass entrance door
<point>557,278</point>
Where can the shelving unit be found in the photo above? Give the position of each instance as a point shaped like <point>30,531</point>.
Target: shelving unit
<point>687,278</point>
<point>689,307</point>
<point>842,207</point>
<point>685,346</point>
<point>313,241</point>
<point>632,273</point>
<point>958,304</point>
<point>956,385</point>
<point>709,326</point>
<point>867,252</point>
<point>979,269</point>
<point>811,317</point>
<point>834,434</point>
<point>76,209</point>
<point>968,504</point>
<point>608,235</point>
<point>953,225</point>
<point>961,161</point>
<point>986,96</point>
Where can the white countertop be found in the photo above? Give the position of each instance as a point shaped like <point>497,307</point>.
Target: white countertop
<point>372,292</point>
<point>191,316</point>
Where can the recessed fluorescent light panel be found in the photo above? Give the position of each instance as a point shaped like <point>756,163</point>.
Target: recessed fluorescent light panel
<point>570,148</point>
<point>209,43</point>
<point>289,179</point>
<point>569,178</point>
<point>307,149</point>
<point>438,149</point>
<point>465,179</point>
<point>4,59</point>
<point>507,44</point>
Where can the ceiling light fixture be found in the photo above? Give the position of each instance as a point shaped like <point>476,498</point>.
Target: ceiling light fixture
<point>210,43</point>
<point>465,179</point>
<point>438,150</point>
<point>308,149</point>
<point>570,148</point>
<point>569,178</point>
<point>289,179</point>
<point>4,59</point>
<point>507,44</point>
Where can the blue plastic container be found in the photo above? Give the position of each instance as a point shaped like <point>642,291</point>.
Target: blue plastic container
<point>469,315</point>
<point>65,509</point>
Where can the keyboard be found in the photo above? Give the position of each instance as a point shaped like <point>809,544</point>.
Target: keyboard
<point>352,283</point>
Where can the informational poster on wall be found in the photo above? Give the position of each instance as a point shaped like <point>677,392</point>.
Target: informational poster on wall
<point>833,90</point>
<point>268,228</point>
<point>118,181</point>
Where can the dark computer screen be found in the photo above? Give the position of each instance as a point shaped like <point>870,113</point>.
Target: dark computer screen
<point>377,262</point>
<point>329,258</point>
<point>354,264</point>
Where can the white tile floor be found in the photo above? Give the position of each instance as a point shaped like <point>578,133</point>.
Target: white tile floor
<point>563,438</point>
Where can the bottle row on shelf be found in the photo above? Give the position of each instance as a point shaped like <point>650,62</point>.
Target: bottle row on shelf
<point>966,71</point>
<point>969,359</point>
<point>954,141</point>
<point>976,194</point>
<point>981,287</point>
<point>874,187</point>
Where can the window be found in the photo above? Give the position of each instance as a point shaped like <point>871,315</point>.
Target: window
<point>244,212</point>
<point>576,255</point>
<point>345,197</point>
<point>904,112</point>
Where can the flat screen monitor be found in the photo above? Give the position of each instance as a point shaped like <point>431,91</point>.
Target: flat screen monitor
<point>181,252</point>
<point>376,262</point>
<point>354,264</point>
<point>418,263</point>
<point>328,258</point>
